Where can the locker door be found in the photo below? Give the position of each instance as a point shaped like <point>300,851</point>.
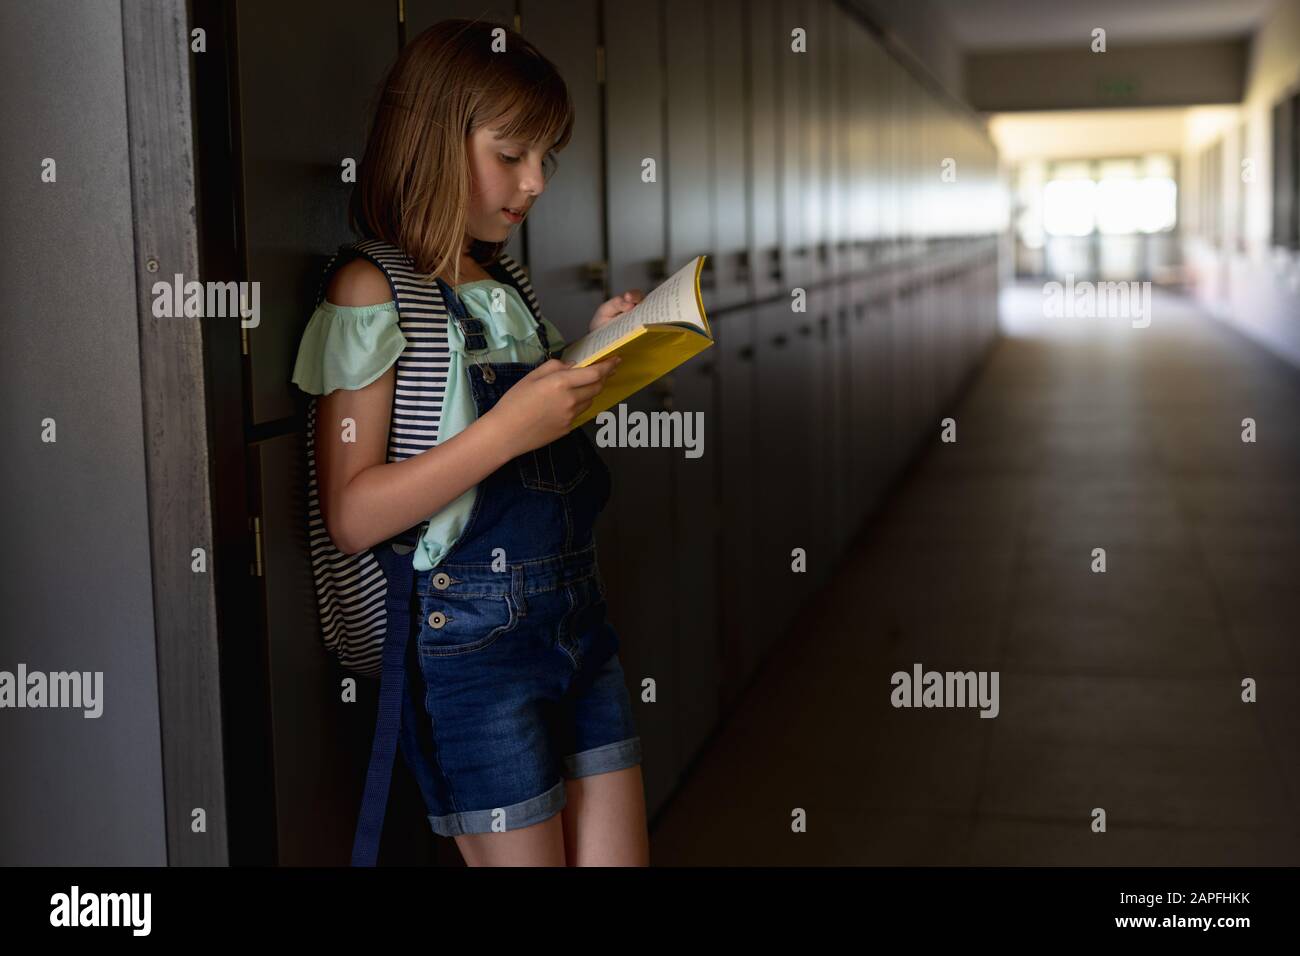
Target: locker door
<point>820,463</point>
<point>866,146</point>
<point>566,256</point>
<point>292,209</point>
<point>816,140</point>
<point>803,438</point>
<point>840,436</point>
<point>778,472</point>
<point>642,602</point>
<point>320,743</point>
<point>902,379</point>
<point>764,258</point>
<point>862,398</point>
<point>696,518</point>
<point>793,68</point>
<point>422,14</point>
<point>841,33</point>
<point>881,371</point>
<point>730,175</point>
<point>890,124</point>
<point>740,484</point>
<point>294,197</point>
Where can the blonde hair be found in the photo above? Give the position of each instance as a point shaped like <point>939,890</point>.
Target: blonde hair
<point>413,182</point>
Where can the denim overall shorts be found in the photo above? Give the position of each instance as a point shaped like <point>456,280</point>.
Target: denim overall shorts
<point>513,681</point>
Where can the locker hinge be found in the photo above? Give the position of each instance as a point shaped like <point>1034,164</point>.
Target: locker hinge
<point>600,64</point>
<point>255,525</point>
<point>519,23</point>
<point>401,11</point>
<point>243,339</point>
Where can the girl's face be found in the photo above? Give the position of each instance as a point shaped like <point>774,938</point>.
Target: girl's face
<point>504,175</point>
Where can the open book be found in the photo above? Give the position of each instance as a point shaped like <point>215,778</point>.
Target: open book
<point>661,332</point>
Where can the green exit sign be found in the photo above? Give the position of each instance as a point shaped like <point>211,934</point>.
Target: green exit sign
<point>1121,88</point>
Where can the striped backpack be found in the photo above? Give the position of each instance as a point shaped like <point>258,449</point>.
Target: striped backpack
<point>351,589</point>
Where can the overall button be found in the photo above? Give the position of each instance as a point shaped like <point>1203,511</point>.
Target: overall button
<point>437,619</point>
<point>440,581</point>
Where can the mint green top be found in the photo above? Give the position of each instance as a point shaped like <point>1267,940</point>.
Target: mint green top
<point>351,346</point>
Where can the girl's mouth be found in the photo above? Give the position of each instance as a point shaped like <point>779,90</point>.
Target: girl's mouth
<point>513,216</point>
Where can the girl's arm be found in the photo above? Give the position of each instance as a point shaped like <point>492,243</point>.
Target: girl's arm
<point>364,499</point>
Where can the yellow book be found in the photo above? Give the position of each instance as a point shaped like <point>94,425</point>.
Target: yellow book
<point>661,332</point>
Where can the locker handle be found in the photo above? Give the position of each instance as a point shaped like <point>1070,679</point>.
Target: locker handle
<point>805,329</point>
<point>594,274</point>
<point>708,278</point>
<point>742,265</point>
<point>746,352</point>
<point>779,341</point>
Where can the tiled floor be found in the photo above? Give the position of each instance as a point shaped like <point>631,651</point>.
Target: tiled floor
<point>1119,690</point>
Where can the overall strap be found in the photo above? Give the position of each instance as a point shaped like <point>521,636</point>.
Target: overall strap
<point>497,270</point>
<point>394,556</point>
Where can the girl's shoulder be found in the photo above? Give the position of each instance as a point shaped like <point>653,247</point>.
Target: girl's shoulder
<point>358,282</point>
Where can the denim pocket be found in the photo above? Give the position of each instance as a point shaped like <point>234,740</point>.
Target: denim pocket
<point>557,467</point>
<point>455,624</point>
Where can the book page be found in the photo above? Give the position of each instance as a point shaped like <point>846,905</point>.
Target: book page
<point>672,301</point>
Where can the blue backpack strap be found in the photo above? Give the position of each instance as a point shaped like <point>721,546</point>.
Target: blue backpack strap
<point>395,558</point>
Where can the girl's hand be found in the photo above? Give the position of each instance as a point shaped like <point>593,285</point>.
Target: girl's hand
<point>540,407</point>
<point>615,307</point>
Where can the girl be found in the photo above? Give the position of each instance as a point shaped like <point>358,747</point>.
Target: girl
<point>525,748</point>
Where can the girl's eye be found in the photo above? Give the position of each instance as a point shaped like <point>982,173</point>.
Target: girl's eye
<point>510,159</point>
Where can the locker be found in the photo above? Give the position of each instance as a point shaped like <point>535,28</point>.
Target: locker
<point>878,462</point>
<point>764,258</point>
<point>779,469</point>
<point>729,208</point>
<point>858,399</point>
<point>422,14</point>
<point>839,438</point>
<point>793,68</point>
<point>293,203</point>
<point>642,600</point>
<point>841,133</point>
<point>739,483</point>
<point>564,231</point>
<point>865,146</point>
<point>819,515</point>
<point>696,523</point>
<point>816,142</point>
<point>294,199</point>
<point>320,744</point>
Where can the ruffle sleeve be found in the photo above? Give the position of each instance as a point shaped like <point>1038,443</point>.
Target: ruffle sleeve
<point>347,346</point>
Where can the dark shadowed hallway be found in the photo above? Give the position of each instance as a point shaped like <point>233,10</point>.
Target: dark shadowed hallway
<point>1120,690</point>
